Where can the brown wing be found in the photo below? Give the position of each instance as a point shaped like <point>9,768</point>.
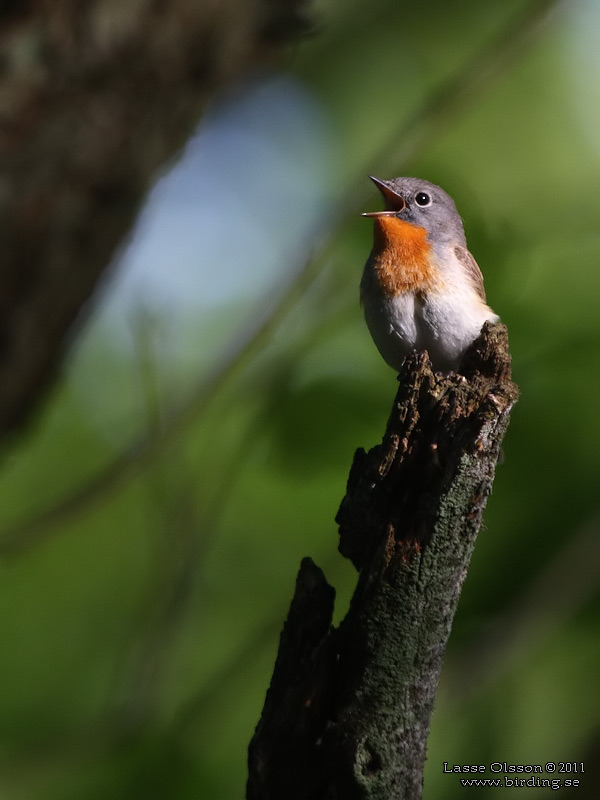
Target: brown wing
<point>472,270</point>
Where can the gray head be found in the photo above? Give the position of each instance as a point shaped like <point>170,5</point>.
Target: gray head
<point>425,204</point>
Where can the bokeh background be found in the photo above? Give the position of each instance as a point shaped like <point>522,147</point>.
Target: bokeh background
<point>197,444</point>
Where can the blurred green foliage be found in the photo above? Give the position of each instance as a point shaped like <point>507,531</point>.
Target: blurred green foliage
<point>146,573</point>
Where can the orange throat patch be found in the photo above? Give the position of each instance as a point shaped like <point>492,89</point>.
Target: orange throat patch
<point>401,256</point>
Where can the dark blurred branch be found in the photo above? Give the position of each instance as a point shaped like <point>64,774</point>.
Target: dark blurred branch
<point>148,448</point>
<point>94,98</point>
<point>348,710</point>
<point>430,120</point>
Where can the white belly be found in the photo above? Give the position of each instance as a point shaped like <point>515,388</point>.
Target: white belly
<point>392,324</point>
<point>444,324</point>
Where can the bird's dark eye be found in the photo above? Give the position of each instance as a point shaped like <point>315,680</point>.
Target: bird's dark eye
<point>422,199</point>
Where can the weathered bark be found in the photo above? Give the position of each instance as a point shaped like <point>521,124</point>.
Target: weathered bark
<point>94,98</point>
<point>348,711</point>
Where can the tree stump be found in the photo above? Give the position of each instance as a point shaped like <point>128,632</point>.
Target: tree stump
<point>348,710</point>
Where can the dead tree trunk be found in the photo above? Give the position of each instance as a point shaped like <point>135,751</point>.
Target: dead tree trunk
<point>348,711</point>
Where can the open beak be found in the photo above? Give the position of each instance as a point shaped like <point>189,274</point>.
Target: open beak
<point>393,202</point>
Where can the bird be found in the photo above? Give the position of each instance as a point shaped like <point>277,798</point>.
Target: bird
<point>421,288</point>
